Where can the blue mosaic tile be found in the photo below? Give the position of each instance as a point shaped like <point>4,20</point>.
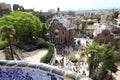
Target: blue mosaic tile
<point>26,74</point>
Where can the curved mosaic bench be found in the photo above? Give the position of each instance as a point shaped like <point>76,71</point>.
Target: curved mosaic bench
<point>20,70</point>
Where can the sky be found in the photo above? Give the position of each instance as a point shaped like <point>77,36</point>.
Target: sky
<point>65,5</point>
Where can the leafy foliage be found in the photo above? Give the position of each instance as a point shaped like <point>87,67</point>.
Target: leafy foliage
<point>109,58</point>
<point>16,7</point>
<point>113,16</point>
<point>4,12</point>
<point>3,44</point>
<point>49,55</point>
<point>97,55</point>
<point>27,26</point>
<point>73,59</point>
<point>8,32</point>
<point>90,23</point>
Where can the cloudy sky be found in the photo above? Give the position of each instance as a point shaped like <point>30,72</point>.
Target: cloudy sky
<point>44,5</point>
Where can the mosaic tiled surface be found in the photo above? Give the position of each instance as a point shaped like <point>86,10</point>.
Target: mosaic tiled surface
<point>20,70</point>
<point>25,74</point>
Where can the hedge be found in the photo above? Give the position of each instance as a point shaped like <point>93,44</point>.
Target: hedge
<point>48,56</point>
<point>3,44</point>
<point>31,47</point>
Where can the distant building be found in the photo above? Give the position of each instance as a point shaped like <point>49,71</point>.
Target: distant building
<point>29,10</point>
<point>90,28</point>
<point>5,6</point>
<point>51,10</point>
<point>47,13</point>
<point>61,30</point>
<point>104,33</point>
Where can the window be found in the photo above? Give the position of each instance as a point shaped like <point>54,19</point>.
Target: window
<point>56,33</point>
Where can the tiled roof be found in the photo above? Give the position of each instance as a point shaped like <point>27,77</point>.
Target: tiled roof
<point>102,28</point>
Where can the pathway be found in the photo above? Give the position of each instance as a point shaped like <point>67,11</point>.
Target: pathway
<point>117,74</point>
<point>33,56</point>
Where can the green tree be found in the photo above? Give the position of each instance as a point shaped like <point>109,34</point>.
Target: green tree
<point>92,53</point>
<point>16,7</point>
<point>90,23</point>
<point>7,32</point>
<point>44,29</point>
<point>77,22</point>
<point>27,26</point>
<point>113,16</point>
<point>4,12</point>
<point>21,8</point>
<point>99,57</point>
<point>109,58</point>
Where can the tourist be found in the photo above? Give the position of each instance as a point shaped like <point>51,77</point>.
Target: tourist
<point>84,73</point>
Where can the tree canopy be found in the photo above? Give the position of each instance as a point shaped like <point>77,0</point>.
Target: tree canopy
<point>27,26</point>
<point>113,16</point>
<point>99,57</point>
<point>16,7</point>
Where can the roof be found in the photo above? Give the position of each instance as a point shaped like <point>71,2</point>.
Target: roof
<point>102,28</point>
<point>66,23</point>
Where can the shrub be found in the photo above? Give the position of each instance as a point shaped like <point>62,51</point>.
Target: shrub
<point>31,47</point>
<point>42,45</point>
<point>48,56</point>
<point>3,44</point>
<point>90,23</point>
<point>73,59</point>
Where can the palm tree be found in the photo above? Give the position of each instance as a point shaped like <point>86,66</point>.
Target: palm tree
<point>7,32</point>
<point>77,22</point>
<point>93,54</point>
<point>109,59</point>
<point>99,57</point>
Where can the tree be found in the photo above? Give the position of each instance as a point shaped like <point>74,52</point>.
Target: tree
<point>8,32</point>
<point>4,12</point>
<point>99,57</point>
<point>21,8</point>
<point>92,52</point>
<point>44,30</point>
<point>16,7</point>
<point>77,22</point>
<point>113,16</point>
<point>27,26</point>
<point>90,23</point>
<point>109,58</point>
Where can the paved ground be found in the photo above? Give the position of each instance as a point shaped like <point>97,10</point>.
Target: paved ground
<point>117,74</point>
<point>80,67</point>
<point>33,56</point>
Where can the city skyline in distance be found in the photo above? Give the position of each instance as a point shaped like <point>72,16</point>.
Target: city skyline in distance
<point>65,5</point>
